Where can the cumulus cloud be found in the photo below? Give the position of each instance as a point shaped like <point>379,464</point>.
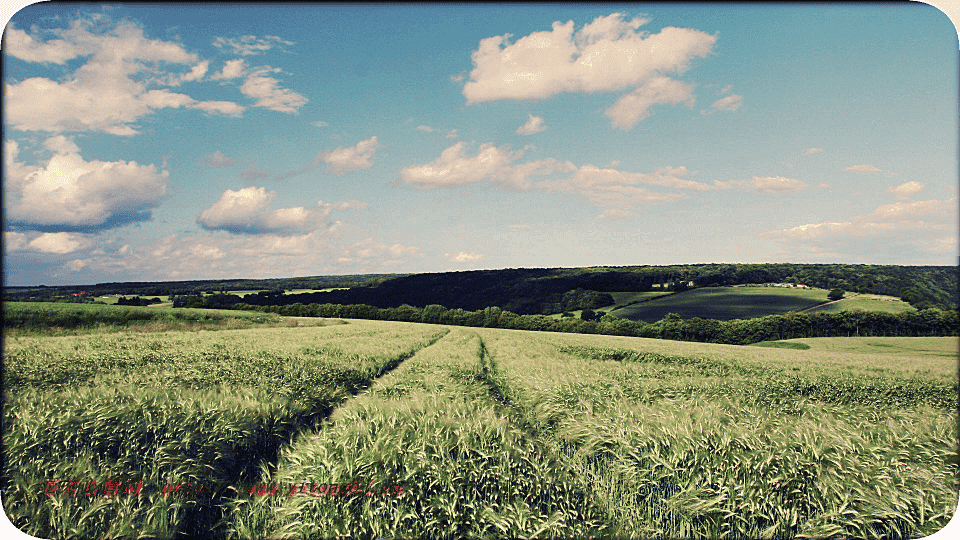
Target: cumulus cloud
<point>232,69</point>
<point>862,169</point>
<point>121,65</point>
<point>247,211</point>
<point>61,145</point>
<point>464,257</point>
<point>729,103</point>
<point>491,164</point>
<point>344,160</point>
<point>921,232</point>
<point>533,125</point>
<point>607,54</point>
<point>811,151</point>
<point>250,45</point>
<point>71,194</point>
<point>21,45</point>
<point>764,185</point>
<point>906,190</point>
<point>634,107</point>
<point>60,243</point>
<point>268,92</point>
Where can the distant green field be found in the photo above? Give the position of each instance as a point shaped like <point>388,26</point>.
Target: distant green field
<point>944,347</point>
<point>292,291</point>
<point>725,303</point>
<point>623,298</point>
<point>865,302</point>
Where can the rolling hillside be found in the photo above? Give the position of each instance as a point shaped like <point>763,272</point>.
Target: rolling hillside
<point>727,303</point>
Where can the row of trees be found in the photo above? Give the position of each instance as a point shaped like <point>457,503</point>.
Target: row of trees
<point>929,322</point>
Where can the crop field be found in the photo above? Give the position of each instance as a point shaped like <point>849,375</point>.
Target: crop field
<point>724,303</point>
<point>47,318</point>
<point>943,347</point>
<point>405,430</point>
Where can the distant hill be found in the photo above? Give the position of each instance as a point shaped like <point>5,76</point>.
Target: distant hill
<point>727,303</point>
<point>552,290</point>
<point>545,290</point>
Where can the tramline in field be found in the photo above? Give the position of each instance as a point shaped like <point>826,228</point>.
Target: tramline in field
<point>375,428</point>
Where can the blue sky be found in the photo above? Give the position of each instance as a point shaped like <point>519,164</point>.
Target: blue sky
<point>171,142</point>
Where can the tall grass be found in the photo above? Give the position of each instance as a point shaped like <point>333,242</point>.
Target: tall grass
<point>465,470</point>
<point>48,318</point>
<point>700,447</point>
<point>206,410</point>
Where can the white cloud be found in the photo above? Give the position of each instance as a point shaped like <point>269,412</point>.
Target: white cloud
<point>347,205</point>
<point>764,185</point>
<point>862,169</point>
<point>232,69</point>
<point>452,134</point>
<point>60,243</point>
<point>494,164</point>
<point>72,194</point>
<point>217,159</point>
<point>269,94</point>
<point>921,232</point>
<point>729,103</point>
<point>633,107</point>
<point>344,160</point>
<point>533,125</point>
<point>904,191</point>
<point>618,193</point>
<point>14,241</point>
<point>249,45</point>
<point>811,151</point>
<point>61,145</point>
<point>121,65</point>
<point>607,54</point>
<point>464,257</point>
<point>321,123</point>
<point>389,254</point>
<point>226,108</point>
<point>247,211</point>
<point>21,45</point>
<point>522,227</point>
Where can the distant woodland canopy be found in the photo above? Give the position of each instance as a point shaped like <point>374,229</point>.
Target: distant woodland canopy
<point>545,291</point>
<point>928,322</point>
<point>534,290</point>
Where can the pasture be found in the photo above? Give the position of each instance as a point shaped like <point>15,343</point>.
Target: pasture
<point>865,302</point>
<point>408,430</point>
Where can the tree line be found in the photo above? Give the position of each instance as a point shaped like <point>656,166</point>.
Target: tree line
<point>928,322</point>
<point>531,291</point>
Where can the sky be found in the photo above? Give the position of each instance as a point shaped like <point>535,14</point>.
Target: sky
<point>177,142</point>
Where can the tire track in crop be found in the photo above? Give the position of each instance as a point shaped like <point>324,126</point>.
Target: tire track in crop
<point>207,519</point>
<point>508,408</point>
